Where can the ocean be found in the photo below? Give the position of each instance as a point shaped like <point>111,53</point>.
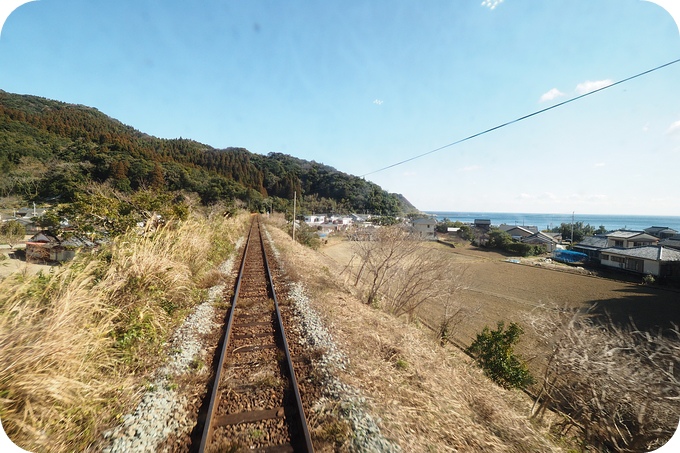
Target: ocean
<point>548,221</point>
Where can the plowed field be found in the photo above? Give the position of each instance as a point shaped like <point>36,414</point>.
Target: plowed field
<point>501,290</point>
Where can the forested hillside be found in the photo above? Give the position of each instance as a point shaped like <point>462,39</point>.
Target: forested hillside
<point>50,150</point>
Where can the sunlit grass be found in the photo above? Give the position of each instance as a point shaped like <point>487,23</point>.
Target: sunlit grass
<point>76,344</point>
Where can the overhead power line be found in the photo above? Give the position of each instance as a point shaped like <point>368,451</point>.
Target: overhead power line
<point>538,112</point>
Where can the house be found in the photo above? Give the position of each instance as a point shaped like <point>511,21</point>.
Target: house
<point>518,233</point>
<point>628,239</point>
<point>29,212</point>
<point>656,260</point>
<point>505,227</point>
<point>424,227</point>
<point>39,247</point>
<point>591,246</point>
<point>556,236</point>
<point>671,242</point>
<point>29,224</point>
<point>539,238</point>
<point>661,232</point>
<point>44,246</point>
<point>482,224</point>
<point>315,219</point>
<point>625,239</point>
<point>341,220</point>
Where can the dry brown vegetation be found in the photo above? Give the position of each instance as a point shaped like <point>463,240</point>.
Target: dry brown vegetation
<point>592,368</point>
<point>620,386</point>
<point>78,342</point>
<point>389,272</point>
<point>428,397</point>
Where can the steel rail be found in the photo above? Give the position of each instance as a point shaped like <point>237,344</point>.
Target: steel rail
<point>308,447</point>
<point>304,443</point>
<point>214,395</point>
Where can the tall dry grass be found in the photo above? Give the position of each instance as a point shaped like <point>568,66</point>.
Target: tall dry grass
<point>76,344</point>
<point>428,398</point>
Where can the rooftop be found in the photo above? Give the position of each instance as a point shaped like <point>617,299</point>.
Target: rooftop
<point>649,252</point>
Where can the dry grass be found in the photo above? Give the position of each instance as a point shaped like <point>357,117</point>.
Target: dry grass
<point>430,398</point>
<point>77,344</point>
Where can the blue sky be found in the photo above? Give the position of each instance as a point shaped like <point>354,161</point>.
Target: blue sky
<point>360,85</point>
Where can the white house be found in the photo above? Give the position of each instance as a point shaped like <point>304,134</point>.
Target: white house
<point>424,227</point>
<point>628,239</point>
<point>549,241</point>
<point>651,259</point>
<point>315,219</point>
<point>341,220</point>
<point>518,232</point>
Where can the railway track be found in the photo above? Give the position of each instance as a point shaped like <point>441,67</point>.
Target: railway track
<point>254,400</point>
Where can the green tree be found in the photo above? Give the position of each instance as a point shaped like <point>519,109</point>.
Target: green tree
<point>499,239</point>
<point>11,232</point>
<point>384,220</point>
<point>493,351</point>
<point>601,230</point>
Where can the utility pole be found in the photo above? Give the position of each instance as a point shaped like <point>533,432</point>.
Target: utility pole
<point>294,207</point>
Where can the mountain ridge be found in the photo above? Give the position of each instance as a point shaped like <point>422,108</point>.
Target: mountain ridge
<point>52,147</point>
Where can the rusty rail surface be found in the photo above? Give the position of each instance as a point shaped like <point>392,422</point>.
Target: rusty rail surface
<point>255,401</point>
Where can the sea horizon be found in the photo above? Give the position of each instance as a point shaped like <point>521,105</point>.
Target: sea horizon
<point>544,221</point>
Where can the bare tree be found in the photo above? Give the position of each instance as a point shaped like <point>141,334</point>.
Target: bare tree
<point>395,269</point>
<point>619,386</point>
<point>454,312</point>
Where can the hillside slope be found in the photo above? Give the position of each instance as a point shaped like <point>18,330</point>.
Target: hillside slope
<point>49,149</point>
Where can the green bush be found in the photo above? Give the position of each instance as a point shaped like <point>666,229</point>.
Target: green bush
<point>493,351</point>
<point>306,235</point>
<point>648,279</point>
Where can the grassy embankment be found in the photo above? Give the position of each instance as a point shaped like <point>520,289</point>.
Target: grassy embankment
<point>78,343</point>
<point>425,396</point>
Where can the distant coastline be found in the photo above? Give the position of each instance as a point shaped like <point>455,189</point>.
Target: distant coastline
<point>547,221</point>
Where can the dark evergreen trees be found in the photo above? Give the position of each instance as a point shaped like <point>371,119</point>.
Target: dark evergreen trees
<point>80,144</point>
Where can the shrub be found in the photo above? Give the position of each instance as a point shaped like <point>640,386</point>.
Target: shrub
<point>493,351</point>
<point>306,235</point>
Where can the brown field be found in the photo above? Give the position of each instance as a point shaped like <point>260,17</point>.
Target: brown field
<point>498,290</point>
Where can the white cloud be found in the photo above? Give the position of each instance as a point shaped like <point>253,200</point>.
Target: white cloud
<point>491,4</point>
<point>552,94</point>
<point>470,168</point>
<point>674,128</point>
<point>600,164</point>
<point>588,86</point>
<point>378,102</point>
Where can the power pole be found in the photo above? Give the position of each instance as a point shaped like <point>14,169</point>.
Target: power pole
<point>294,207</point>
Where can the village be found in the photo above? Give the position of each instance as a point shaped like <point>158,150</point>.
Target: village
<point>653,252</point>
